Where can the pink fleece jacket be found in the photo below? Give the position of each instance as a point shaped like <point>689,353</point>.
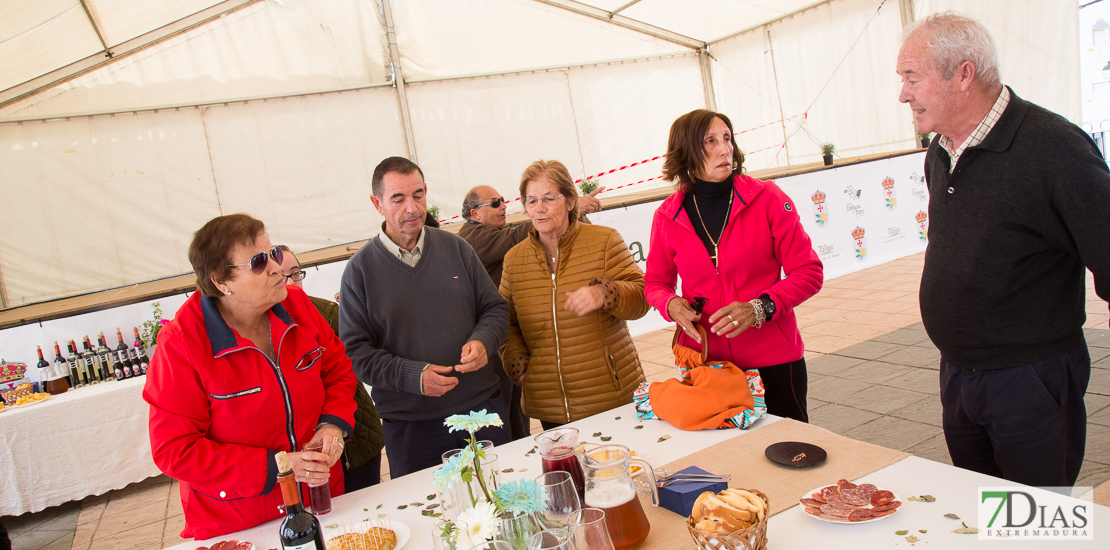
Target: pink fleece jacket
<point>763,239</point>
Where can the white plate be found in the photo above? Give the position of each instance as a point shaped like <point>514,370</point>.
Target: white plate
<point>400,529</point>
<point>32,403</point>
<point>873,519</point>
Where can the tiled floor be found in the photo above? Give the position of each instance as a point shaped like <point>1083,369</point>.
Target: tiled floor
<point>872,376</point>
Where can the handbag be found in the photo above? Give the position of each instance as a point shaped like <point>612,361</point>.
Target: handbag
<point>707,394</point>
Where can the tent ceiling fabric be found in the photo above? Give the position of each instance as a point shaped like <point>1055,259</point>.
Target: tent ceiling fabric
<point>282,108</point>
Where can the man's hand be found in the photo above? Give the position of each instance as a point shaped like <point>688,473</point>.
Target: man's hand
<point>434,382</point>
<point>680,310</point>
<point>589,204</point>
<point>585,300</point>
<point>474,356</point>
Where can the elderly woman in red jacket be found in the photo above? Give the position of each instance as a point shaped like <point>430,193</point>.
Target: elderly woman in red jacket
<point>729,237</point>
<point>247,368</point>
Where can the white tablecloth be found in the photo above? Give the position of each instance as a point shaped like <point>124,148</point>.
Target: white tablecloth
<point>84,442</point>
<point>789,529</point>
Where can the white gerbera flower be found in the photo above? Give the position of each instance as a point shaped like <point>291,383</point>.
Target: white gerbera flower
<point>478,523</point>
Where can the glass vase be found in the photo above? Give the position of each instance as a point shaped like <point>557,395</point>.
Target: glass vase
<point>457,498</point>
<point>516,530</point>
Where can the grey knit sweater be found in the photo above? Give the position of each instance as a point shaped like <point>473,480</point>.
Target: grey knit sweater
<point>395,319</point>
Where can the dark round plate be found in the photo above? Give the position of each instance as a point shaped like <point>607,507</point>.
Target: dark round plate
<point>796,454</point>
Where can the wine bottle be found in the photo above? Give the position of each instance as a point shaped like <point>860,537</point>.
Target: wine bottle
<point>45,370</point>
<point>300,530</point>
<point>77,366</point>
<point>105,354</point>
<point>96,373</point>
<point>60,383</point>
<point>140,352</point>
<point>124,358</point>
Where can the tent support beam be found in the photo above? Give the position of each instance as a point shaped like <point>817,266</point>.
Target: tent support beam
<point>707,79</point>
<point>124,49</point>
<point>398,78</point>
<point>628,23</point>
<point>622,8</point>
<point>771,22</point>
<point>96,27</point>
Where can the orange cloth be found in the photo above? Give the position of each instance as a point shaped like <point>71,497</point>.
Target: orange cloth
<point>706,397</point>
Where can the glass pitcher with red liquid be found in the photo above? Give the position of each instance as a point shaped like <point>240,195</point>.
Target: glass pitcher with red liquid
<point>609,487</point>
<point>557,448</point>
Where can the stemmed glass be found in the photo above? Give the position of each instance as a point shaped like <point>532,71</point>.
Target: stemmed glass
<point>589,531</point>
<point>490,545</point>
<point>561,497</point>
<point>550,539</point>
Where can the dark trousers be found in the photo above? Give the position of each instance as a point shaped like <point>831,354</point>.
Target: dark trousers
<point>786,387</point>
<point>5,542</point>
<point>551,425</point>
<point>363,476</point>
<point>1026,424</point>
<point>413,445</point>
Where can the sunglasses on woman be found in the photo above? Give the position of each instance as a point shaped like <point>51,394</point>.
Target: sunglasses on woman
<point>258,261</point>
<point>496,203</point>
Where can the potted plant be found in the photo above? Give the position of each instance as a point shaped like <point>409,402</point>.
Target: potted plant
<point>925,138</point>
<point>827,153</point>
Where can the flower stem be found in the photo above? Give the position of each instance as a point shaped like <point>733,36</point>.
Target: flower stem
<point>478,469</point>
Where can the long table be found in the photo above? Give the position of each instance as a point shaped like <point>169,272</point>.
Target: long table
<point>86,441</point>
<point>954,488</point>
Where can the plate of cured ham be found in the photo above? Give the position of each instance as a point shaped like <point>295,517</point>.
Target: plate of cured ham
<point>846,502</point>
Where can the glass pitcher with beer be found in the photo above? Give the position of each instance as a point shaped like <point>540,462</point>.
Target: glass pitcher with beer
<point>609,487</point>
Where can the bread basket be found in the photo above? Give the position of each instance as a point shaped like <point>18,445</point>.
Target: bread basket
<point>752,538</point>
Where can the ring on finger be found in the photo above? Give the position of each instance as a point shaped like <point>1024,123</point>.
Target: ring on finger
<point>735,323</point>
<point>729,315</point>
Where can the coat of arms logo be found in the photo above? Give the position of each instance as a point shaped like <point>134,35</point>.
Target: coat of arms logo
<point>861,243</point>
<point>888,188</point>
<point>922,225</point>
<point>820,213</point>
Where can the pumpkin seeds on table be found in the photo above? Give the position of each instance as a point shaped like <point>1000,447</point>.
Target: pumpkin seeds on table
<point>639,427</point>
<point>663,438</point>
<point>522,470</point>
<point>965,530</point>
<point>507,471</point>
<point>402,507</point>
<point>953,516</point>
<point>597,434</point>
<point>617,418</point>
<point>922,531</point>
<point>431,497</point>
<point>902,532</point>
<point>606,438</point>
<point>379,507</point>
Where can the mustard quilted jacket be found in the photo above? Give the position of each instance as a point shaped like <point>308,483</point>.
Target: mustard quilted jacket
<point>573,367</point>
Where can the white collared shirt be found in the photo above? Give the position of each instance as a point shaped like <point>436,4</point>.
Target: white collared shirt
<point>410,258</point>
<point>981,131</point>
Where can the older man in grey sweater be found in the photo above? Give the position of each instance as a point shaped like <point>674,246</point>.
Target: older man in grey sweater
<point>422,322</point>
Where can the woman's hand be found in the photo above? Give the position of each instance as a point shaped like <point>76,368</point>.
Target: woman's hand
<point>332,439</point>
<point>679,310</point>
<point>309,467</point>
<point>585,300</point>
<point>733,319</point>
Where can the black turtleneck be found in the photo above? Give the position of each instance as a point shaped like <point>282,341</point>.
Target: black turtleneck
<point>712,202</point>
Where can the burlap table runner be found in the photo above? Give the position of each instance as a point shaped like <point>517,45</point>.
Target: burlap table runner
<point>743,457</point>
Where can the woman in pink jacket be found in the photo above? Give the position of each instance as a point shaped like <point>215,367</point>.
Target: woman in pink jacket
<point>729,238</point>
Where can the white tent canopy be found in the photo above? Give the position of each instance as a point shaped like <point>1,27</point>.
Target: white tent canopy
<point>282,108</point>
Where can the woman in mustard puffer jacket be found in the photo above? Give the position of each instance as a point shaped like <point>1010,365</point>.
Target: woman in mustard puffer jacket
<point>571,288</point>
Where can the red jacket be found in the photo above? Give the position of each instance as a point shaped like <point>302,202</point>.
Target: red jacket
<point>764,237</point>
<point>219,410</point>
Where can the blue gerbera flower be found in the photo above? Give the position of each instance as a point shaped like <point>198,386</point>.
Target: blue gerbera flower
<point>453,470</point>
<point>523,496</point>
<point>472,422</point>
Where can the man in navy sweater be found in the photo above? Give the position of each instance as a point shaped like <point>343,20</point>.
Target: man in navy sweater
<point>422,322</point>
<point>1018,209</point>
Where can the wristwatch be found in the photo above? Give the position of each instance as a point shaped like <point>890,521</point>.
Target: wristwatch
<point>768,307</point>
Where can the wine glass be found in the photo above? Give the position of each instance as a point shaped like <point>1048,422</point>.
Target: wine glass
<point>561,497</point>
<point>589,531</point>
<point>490,545</point>
<point>550,539</point>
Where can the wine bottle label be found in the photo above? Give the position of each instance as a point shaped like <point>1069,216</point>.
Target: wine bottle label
<point>310,545</point>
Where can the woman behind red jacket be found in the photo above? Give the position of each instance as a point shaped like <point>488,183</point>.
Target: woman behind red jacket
<point>729,237</point>
<point>247,368</point>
